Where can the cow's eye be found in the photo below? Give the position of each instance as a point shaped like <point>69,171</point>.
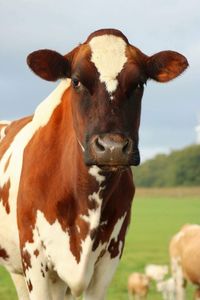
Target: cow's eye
<point>76,83</point>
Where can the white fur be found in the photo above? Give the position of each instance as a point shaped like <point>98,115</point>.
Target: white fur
<point>93,215</point>
<point>79,276</point>
<point>76,275</point>
<point>5,122</point>
<point>8,222</point>
<point>103,274</point>
<point>20,286</point>
<point>167,288</point>
<point>57,242</point>
<point>156,272</point>
<point>41,285</point>
<point>117,227</point>
<point>94,171</point>
<point>109,57</point>
<point>2,131</point>
<point>178,277</point>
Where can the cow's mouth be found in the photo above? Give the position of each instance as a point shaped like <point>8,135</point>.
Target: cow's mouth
<point>117,165</point>
<point>107,168</point>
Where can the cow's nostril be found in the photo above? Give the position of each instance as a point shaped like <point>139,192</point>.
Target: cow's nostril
<point>99,145</point>
<point>125,146</point>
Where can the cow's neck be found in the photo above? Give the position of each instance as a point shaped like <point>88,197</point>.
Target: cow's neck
<point>81,203</point>
<point>79,190</point>
<point>90,188</point>
<point>74,193</point>
<point>84,180</point>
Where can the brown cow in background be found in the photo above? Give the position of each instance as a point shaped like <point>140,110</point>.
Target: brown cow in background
<point>185,259</point>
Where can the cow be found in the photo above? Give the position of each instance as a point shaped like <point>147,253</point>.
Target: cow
<point>167,288</point>
<point>138,286</point>
<point>185,259</point>
<point>156,272</point>
<point>66,186</point>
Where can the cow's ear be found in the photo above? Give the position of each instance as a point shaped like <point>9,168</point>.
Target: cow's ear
<point>49,64</point>
<point>166,65</point>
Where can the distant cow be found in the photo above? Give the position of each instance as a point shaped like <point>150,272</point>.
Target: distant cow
<point>138,286</point>
<point>185,259</point>
<point>167,288</point>
<point>66,185</point>
<point>156,272</point>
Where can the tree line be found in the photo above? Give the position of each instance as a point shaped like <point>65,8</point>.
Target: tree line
<point>179,168</point>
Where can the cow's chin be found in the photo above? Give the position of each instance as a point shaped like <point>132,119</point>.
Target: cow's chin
<point>113,164</point>
<point>116,168</point>
<point>107,167</point>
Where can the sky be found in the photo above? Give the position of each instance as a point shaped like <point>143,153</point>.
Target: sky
<point>170,111</point>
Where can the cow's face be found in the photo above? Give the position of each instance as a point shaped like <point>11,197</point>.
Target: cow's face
<point>107,82</point>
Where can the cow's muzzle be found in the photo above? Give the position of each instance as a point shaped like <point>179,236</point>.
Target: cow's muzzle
<point>112,151</point>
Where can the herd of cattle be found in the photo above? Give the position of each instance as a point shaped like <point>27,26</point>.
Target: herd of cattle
<point>185,267</point>
<point>66,185</point>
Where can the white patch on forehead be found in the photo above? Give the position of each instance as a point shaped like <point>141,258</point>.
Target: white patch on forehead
<point>109,57</point>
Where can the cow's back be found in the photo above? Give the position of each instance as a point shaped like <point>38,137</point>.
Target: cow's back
<point>9,245</point>
<point>185,247</point>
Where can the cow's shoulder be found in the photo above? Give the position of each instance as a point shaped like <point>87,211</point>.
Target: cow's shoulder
<point>9,130</point>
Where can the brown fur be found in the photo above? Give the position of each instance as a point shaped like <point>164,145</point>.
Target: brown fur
<point>11,132</point>
<point>138,284</point>
<point>4,194</point>
<point>184,246</point>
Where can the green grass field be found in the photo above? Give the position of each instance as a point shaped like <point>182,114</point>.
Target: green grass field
<point>156,215</point>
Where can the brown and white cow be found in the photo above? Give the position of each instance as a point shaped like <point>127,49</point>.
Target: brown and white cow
<point>138,286</point>
<point>185,259</point>
<point>65,184</point>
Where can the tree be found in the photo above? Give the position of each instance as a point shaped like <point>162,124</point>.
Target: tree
<point>179,168</point>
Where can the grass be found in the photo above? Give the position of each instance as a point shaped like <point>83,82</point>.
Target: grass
<point>156,215</point>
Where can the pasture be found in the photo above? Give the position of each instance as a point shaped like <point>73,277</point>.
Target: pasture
<point>157,214</point>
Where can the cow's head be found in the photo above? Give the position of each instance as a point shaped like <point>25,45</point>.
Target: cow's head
<point>107,82</point>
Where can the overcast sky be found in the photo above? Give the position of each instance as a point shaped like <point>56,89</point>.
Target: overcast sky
<point>170,111</point>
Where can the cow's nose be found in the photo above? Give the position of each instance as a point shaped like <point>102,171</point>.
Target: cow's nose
<point>110,145</point>
<point>111,149</point>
